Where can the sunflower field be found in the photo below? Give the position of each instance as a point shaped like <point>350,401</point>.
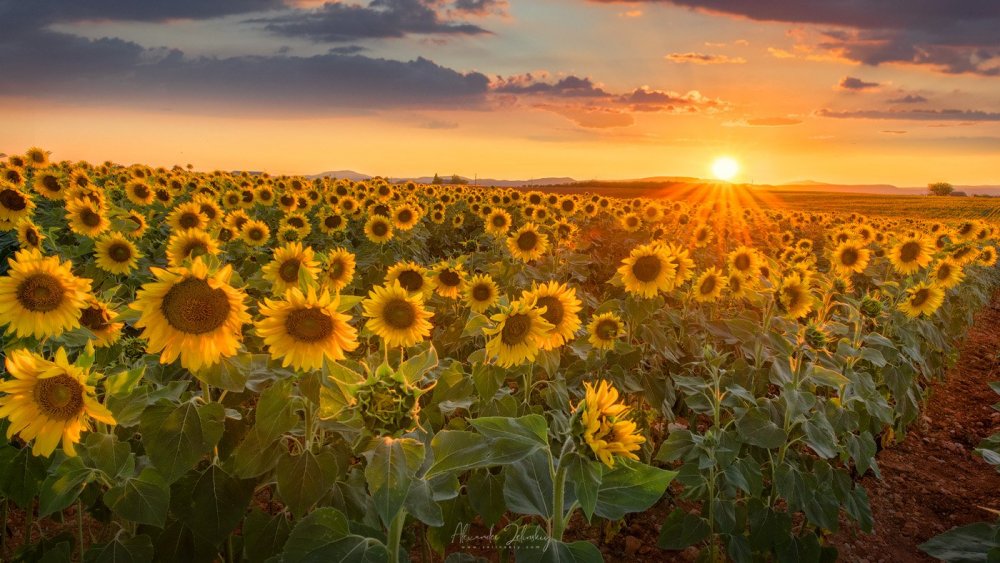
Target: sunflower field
<point>243,367</point>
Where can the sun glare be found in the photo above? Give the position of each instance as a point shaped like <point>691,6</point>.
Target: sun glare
<point>725,168</point>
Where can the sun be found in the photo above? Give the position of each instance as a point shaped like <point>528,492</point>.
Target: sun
<point>725,168</point>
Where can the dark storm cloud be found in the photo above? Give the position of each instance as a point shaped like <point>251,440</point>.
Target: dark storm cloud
<point>36,13</point>
<point>852,83</point>
<point>568,87</point>
<point>953,37</point>
<point>964,115</point>
<point>334,22</point>
<point>480,7</point>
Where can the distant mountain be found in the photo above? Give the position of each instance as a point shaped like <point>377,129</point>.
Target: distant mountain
<point>357,176</point>
<point>347,174</point>
<point>813,186</point>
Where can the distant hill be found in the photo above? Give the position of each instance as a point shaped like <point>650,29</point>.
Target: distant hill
<point>348,174</point>
<point>357,176</point>
<point>887,189</point>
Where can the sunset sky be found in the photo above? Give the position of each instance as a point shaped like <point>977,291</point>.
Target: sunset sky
<point>852,91</point>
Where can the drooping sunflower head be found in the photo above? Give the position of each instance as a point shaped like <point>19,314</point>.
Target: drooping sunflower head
<point>305,329</point>
<point>922,300</point>
<point>396,316</point>
<point>339,270</point>
<point>191,313</point>
<point>290,262</point>
<point>794,297</point>
<point>481,293</point>
<point>40,296</point>
<point>528,243</point>
<point>603,425</point>
<point>116,254</point>
<point>648,270</point>
<point>518,333</point>
<point>412,276</point>
<point>378,229</point>
<point>255,233</point>
<point>562,309</point>
<point>97,318</point>
<point>709,285</point>
<point>850,257</point>
<point>605,329</point>
<point>48,401</point>
<point>911,255</point>
<point>449,279</point>
<point>188,244</point>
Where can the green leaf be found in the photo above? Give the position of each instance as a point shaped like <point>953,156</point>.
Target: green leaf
<point>176,438</point>
<point>230,373</point>
<point>529,431</point>
<point>682,529</point>
<point>585,475</point>
<point>63,487</point>
<point>254,457</point>
<point>421,504</point>
<point>305,478</point>
<point>274,414</point>
<point>486,495</point>
<point>390,471</point>
<point>757,428</point>
<point>414,369</point>
<point>178,543</point>
<point>143,499</point>
<point>211,503</point>
<point>324,537</point>
<point>530,550</point>
<point>630,488</point>
<point>21,475</point>
<point>676,446</point>
<point>527,487</point>
<point>966,544</point>
<point>824,376</point>
<point>458,450</point>
<point>105,453</point>
<point>264,535</point>
<point>129,550</point>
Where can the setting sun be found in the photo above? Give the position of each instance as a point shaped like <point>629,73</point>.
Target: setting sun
<point>725,168</point>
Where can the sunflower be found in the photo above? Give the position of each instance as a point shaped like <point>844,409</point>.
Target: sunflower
<point>49,185</point>
<point>14,204</point>
<point>339,270</point>
<point>631,222</point>
<point>116,254</point>
<point>922,299</point>
<point>139,192</point>
<point>680,259</point>
<point>528,243</point>
<point>605,329</point>
<point>738,286</point>
<point>744,262</point>
<point>187,216</point>
<point>188,244</point>
<point>911,255</point>
<point>481,293</point>
<point>702,236</point>
<point>448,279</point>
<point>497,222</point>
<point>255,233</point>
<point>709,285</point>
<point>405,217</point>
<point>850,257</point>
<point>332,221</point>
<point>96,318</point>
<point>209,208</point>
<point>40,296</point>
<point>191,313</point>
<point>947,273</point>
<point>412,276</point>
<point>48,401</point>
<point>289,263</point>
<point>647,270</point>
<point>28,234</point>
<point>397,317</point>
<point>518,334</point>
<point>987,256</point>
<point>794,296</point>
<point>604,427</point>
<point>134,224</point>
<point>306,329</point>
<point>86,217</point>
<point>297,221</point>
<point>36,158</point>
<point>378,229</point>
<point>561,311</point>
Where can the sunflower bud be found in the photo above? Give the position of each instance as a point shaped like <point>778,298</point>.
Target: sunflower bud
<point>870,307</point>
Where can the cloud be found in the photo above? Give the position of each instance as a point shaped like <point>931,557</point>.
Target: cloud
<point>438,124</point>
<point>567,87</point>
<point>764,122</point>
<point>480,7</point>
<point>646,99</point>
<point>380,19</point>
<point>37,13</point>
<point>950,37</point>
<point>965,115</point>
<point>703,59</point>
<point>894,132</point>
<point>909,99</point>
<point>856,84</point>
<point>591,117</point>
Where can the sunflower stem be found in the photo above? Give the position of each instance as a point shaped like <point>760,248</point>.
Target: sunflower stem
<point>29,518</point>
<point>206,391</point>
<point>3,526</point>
<point>79,527</point>
<point>396,535</point>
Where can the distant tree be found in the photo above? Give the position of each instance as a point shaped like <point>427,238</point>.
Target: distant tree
<point>437,181</point>
<point>958,194</point>
<point>940,188</point>
<point>457,180</point>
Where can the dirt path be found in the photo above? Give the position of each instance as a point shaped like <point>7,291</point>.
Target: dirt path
<point>934,481</point>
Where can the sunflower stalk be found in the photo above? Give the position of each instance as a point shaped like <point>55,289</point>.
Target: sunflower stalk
<point>396,535</point>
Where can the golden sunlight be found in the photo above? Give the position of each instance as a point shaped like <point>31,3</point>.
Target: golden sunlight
<point>725,168</point>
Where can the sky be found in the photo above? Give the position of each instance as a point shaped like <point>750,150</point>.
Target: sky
<point>905,92</point>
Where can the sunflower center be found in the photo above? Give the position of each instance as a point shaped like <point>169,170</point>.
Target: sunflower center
<point>189,220</point>
<point>646,268</point>
<point>337,269</point>
<point>379,229</point>
<point>40,293</point>
<point>309,325</point>
<point>400,314</point>
<point>515,329</point>
<point>120,252</point>
<point>31,235</point>
<point>742,262</point>
<point>13,200</point>
<point>482,292</point>
<point>194,307</point>
<point>411,280</point>
<point>94,318</point>
<point>404,216</point>
<point>920,297</point>
<point>554,311</point>
<point>707,285</point>
<point>296,222</point>
<point>849,257</point>
<point>632,221</point>
<point>527,240</point>
<point>59,397</point>
<point>89,218</point>
<point>289,270</point>
<point>607,329</point>
<point>793,296</point>
<point>450,278</point>
<point>909,251</point>
<point>51,183</point>
<point>499,221</point>
<point>944,272</point>
<point>141,191</point>
<point>333,221</point>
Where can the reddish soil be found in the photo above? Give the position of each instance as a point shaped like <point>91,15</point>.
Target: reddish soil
<point>934,481</point>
